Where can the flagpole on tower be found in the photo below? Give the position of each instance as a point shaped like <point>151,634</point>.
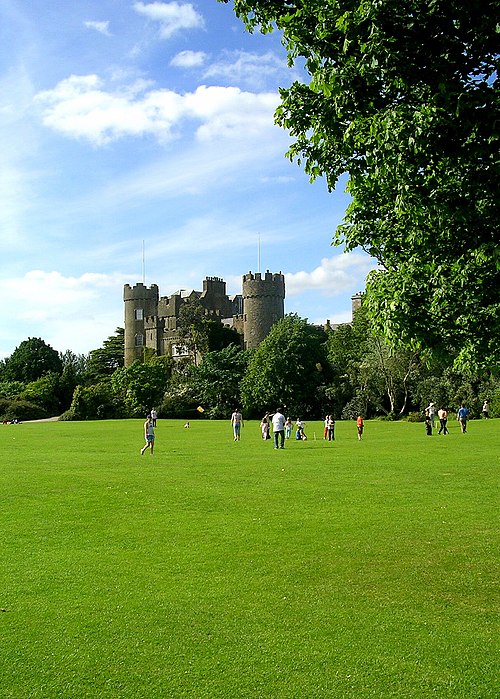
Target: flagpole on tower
<point>258,255</point>
<point>143,265</point>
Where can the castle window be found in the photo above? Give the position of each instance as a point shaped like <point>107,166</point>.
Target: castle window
<point>139,314</point>
<point>139,340</point>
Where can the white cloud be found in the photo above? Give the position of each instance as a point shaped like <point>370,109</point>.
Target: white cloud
<point>335,275</point>
<point>188,59</point>
<point>172,16</point>
<point>80,107</point>
<point>67,312</point>
<point>101,27</point>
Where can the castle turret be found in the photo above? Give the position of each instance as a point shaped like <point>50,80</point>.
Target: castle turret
<point>356,301</point>
<point>263,305</point>
<point>214,298</point>
<point>140,303</point>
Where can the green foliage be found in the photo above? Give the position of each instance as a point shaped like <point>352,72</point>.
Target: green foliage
<point>11,389</point>
<point>179,401</point>
<point>45,392</point>
<point>77,362</point>
<point>495,403</point>
<point>103,362</point>
<point>192,329</point>
<point>142,385</point>
<point>287,370</point>
<point>403,96</point>
<point>20,409</point>
<point>215,383</point>
<point>416,417</point>
<point>94,402</point>
<point>220,336</point>
<point>31,360</point>
<point>346,348</point>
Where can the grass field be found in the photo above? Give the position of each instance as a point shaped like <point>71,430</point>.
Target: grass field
<point>220,569</point>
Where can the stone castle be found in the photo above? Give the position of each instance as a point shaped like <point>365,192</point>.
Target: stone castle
<point>151,321</point>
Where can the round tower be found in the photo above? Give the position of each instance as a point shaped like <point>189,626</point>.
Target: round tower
<point>263,305</point>
<point>140,302</point>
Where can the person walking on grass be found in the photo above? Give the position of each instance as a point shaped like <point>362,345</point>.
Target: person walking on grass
<point>360,425</point>
<point>443,420</point>
<point>462,416</point>
<point>149,435</point>
<point>237,423</point>
<point>279,429</point>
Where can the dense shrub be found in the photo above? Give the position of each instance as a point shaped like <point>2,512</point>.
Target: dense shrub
<point>416,417</point>
<point>18,409</point>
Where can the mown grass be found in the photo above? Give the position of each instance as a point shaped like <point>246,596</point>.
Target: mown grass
<point>219,569</point>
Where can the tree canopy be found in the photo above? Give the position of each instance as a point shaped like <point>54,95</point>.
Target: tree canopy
<point>107,359</point>
<point>288,369</point>
<point>403,96</point>
<point>31,360</point>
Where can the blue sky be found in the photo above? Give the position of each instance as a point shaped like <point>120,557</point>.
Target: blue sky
<point>148,126</point>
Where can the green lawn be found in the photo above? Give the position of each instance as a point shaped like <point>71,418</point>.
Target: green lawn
<point>220,569</point>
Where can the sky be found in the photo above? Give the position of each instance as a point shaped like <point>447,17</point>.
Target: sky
<point>139,144</point>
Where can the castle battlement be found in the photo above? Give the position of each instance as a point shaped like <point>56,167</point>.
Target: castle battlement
<point>139,291</point>
<point>268,277</point>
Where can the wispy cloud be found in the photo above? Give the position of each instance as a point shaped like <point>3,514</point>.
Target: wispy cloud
<point>188,59</point>
<point>172,16</point>
<point>101,27</point>
<point>19,149</point>
<point>251,69</point>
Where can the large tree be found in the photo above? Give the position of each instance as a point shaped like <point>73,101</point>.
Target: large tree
<point>215,383</point>
<point>403,96</point>
<point>289,369</point>
<point>103,362</point>
<point>142,385</point>
<point>31,360</point>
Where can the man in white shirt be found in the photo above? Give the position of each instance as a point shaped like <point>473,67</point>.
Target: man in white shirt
<point>431,409</point>
<point>279,429</point>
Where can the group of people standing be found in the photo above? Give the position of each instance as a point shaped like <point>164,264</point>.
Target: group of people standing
<point>442,414</point>
<point>272,422</point>
<point>281,427</point>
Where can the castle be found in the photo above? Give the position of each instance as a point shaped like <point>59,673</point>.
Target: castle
<point>151,321</point>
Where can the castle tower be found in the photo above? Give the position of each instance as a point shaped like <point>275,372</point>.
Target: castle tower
<point>140,302</point>
<point>263,305</point>
<point>214,297</point>
<point>356,302</point>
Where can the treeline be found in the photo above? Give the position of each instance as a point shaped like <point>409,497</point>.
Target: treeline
<point>307,370</point>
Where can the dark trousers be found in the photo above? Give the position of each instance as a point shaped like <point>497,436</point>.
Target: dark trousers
<point>443,427</point>
<point>279,436</point>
